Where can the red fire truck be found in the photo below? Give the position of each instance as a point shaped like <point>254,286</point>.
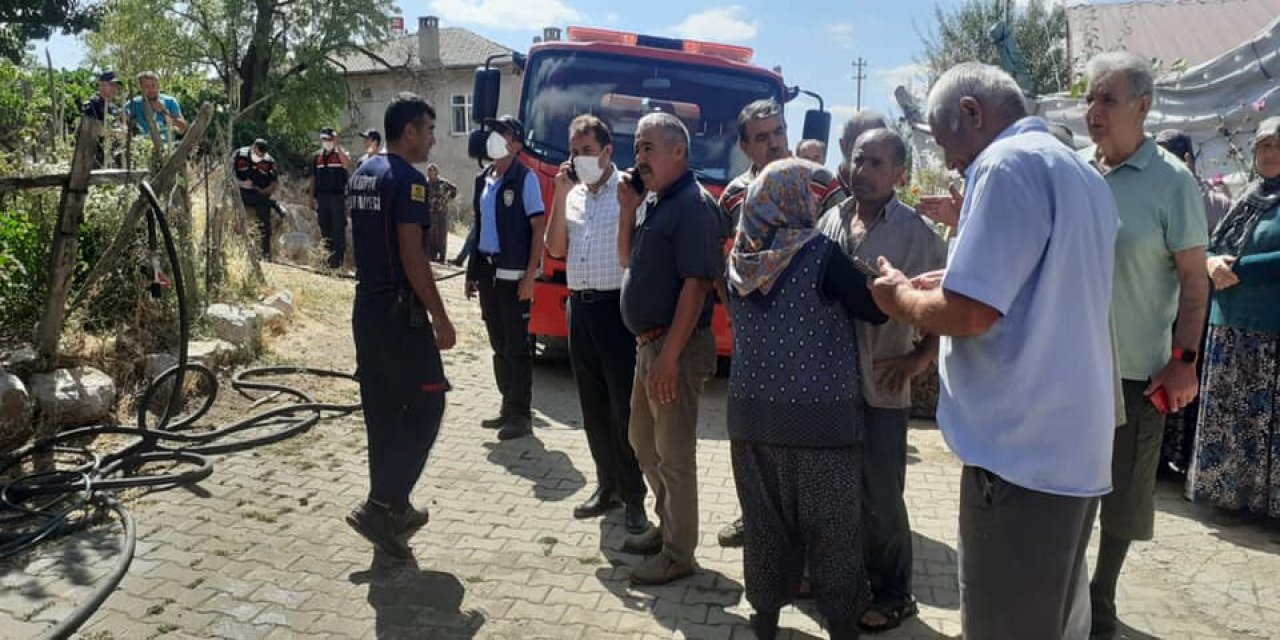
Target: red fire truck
<point>620,77</point>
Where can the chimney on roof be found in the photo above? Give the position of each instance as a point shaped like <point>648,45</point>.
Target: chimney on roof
<point>429,41</point>
<point>551,34</point>
<point>537,39</point>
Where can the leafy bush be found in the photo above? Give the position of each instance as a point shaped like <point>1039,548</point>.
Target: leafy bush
<point>24,248</point>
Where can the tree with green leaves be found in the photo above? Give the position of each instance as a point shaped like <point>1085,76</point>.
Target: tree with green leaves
<point>22,21</point>
<point>272,58</point>
<point>965,34</point>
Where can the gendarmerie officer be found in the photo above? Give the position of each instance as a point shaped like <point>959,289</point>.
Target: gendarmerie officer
<point>399,323</point>
<point>329,169</point>
<point>256,174</point>
<point>509,228</point>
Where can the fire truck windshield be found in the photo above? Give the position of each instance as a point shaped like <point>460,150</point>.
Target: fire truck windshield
<point>560,85</point>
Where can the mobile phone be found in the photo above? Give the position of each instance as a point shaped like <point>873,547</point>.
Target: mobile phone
<point>1160,400</point>
<point>864,268</point>
<point>572,172</point>
<point>635,181</point>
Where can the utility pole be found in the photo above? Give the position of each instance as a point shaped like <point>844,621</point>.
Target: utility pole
<point>859,66</point>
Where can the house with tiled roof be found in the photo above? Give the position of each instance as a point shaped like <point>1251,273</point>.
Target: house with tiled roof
<point>438,64</point>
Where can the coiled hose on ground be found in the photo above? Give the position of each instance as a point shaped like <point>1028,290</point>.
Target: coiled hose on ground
<point>45,504</point>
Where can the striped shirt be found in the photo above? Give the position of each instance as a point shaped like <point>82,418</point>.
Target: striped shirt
<point>591,262</point>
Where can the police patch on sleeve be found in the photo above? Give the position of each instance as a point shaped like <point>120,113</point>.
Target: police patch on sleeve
<point>418,192</point>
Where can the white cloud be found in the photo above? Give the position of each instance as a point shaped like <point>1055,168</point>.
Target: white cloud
<point>522,15</point>
<point>841,34</point>
<point>911,75</point>
<point>721,24</point>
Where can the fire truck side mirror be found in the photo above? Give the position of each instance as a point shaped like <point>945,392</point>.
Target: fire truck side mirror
<point>817,125</point>
<point>485,89</point>
<point>476,145</point>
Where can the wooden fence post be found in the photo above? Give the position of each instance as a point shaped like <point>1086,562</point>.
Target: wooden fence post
<point>162,181</point>
<point>66,241</point>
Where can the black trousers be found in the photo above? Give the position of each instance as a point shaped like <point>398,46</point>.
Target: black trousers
<point>263,212</point>
<point>506,318</point>
<point>801,507</point>
<point>887,527</point>
<point>402,388</point>
<point>603,354</point>
<point>331,213</point>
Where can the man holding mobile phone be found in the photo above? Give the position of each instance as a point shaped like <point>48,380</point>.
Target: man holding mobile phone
<point>1160,278</point>
<point>584,233</point>
<point>875,223</point>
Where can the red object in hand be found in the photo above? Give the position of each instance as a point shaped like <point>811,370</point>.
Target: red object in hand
<point>1160,400</point>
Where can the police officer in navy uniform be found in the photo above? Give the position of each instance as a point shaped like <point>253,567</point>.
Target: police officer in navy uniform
<point>399,324</point>
<point>255,171</point>
<point>329,176</point>
<point>509,226</point>
<point>102,103</point>
<point>102,106</point>
<point>372,145</point>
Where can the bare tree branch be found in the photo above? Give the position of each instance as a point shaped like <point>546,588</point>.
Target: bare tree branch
<point>380,60</point>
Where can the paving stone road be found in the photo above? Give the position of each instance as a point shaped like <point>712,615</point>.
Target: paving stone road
<point>259,550</point>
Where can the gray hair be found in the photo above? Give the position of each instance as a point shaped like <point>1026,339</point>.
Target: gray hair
<point>148,74</point>
<point>992,88</point>
<point>811,142</point>
<point>758,110</point>
<point>1135,67</point>
<point>860,121</point>
<point>671,128</point>
<point>889,137</point>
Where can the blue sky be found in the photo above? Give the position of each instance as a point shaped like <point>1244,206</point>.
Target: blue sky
<point>815,41</point>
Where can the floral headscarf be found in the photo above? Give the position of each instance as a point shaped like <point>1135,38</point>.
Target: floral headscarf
<point>779,216</point>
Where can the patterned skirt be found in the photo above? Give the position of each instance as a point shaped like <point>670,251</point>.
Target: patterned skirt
<point>1236,463</point>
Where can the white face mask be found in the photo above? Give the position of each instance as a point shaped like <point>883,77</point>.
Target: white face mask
<point>588,169</point>
<point>328,145</point>
<point>496,146</point>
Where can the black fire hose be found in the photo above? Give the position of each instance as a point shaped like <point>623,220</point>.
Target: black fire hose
<point>43,505</point>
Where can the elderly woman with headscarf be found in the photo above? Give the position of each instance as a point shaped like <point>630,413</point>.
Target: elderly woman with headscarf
<point>794,403</point>
<point>1236,464</point>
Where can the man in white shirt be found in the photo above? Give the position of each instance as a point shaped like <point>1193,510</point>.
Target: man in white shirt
<point>584,232</point>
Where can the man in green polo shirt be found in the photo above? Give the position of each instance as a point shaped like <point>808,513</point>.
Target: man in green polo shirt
<point>1158,301</point>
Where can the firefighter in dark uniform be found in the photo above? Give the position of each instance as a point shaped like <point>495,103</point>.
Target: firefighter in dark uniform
<point>102,106</point>
<point>762,136</point>
<point>255,171</point>
<point>509,227</point>
<point>399,324</point>
<point>329,173</point>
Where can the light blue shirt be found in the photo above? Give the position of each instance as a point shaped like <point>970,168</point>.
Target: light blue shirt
<point>136,114</point>
<point>1032,399</point>
<point>531,194</point>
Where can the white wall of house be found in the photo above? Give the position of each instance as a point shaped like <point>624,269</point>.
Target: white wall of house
<point>449,91</point>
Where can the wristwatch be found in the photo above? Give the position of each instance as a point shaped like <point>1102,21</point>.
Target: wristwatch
<point>1185,355</point>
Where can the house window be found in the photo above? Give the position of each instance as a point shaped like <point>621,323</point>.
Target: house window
<point>461,107</point>
<point>366,94</point>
